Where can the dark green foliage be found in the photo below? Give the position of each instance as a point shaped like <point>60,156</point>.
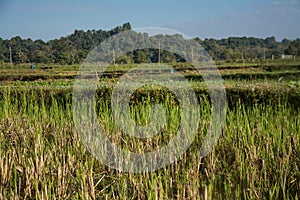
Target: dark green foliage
<point>294,48</point>
<point>74,48</point>
<point>66,50</point>
<point>248,48</point>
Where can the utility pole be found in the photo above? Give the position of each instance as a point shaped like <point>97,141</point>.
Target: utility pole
<point>114,57</point>
<point>264,52</point>
<point>114,60</point>
<point>10,55</point>
<point>158,52</point>
<point>192,55</point>
<point>243,55</point>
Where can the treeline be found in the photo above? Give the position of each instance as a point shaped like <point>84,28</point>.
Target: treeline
<point>250,48</point>
<point>74,48</point>
<point>66,50</point>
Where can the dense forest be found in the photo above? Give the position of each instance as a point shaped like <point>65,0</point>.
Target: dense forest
<point>73,48</point>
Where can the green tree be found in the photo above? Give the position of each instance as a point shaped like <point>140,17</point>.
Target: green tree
<point>140,57</point>
<point>293,48</point>
<point>126,26</point>
<point>124,59</point>
<point>21,57</point>
<point>270,42</point>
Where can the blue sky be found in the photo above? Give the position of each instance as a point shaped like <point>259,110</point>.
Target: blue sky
<point>50,19</point>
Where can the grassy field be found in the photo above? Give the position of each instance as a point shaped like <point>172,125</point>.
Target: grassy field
<point>257,155</point>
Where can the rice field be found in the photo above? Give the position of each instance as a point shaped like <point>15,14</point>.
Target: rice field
<point>257,155</point>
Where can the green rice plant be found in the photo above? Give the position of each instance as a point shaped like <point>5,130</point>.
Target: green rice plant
<point>42,157</point>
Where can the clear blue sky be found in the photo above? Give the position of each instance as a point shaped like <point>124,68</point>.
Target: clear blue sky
<point>50,19</point>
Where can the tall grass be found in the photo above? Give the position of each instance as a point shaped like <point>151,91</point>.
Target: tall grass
<point>41,157</point>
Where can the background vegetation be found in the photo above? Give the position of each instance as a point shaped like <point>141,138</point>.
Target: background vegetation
<point>72,49</point>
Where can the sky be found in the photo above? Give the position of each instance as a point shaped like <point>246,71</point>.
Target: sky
<point>51,19</point>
